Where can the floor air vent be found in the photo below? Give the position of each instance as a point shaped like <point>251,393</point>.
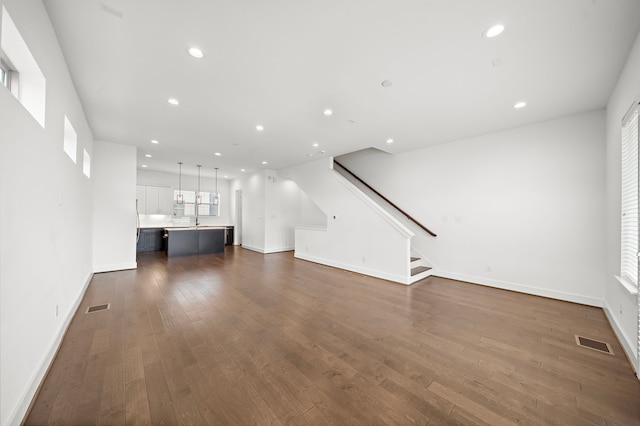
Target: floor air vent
<point>97,308</point>
<point>594,344</point>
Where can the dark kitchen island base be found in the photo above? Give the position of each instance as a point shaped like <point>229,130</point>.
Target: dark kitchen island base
<point>190,241</point>
<point>150,239</point>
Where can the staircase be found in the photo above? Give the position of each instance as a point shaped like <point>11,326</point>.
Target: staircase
<point>418,270</point>
<point>361,234</point>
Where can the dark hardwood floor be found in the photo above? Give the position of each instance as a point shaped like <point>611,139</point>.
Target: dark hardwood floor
<point>242,338</point>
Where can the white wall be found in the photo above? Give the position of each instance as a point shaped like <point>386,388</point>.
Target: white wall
<point>189,183</point>
<point>283,202</point>
<point>45,219</point>
<point>272,207</point>
<point>622,307</point>
<point>114,207</point>
<point>521,209</point>
<point>253,209</point>
<point>310,213</point>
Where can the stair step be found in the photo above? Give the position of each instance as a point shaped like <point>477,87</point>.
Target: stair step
<point>413,259</point>
<point>418,269</point>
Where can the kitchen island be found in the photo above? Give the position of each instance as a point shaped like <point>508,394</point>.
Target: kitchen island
<point>195,240</point>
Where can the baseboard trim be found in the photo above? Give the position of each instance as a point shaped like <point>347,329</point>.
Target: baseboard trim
<point>279,250</point>
<point>267,251</point>
<point>115,267</point>
<point>622,338</point>
<point>22,410</point>
<point>521,288</point>
<point>252,248</point>
<point>370,272</point>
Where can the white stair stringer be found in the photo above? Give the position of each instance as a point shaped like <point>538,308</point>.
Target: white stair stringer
<point>360,235</point>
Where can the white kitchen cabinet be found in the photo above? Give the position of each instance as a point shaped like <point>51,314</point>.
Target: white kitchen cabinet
<point>154,200</point>
<point>165,201</point>
<point>141,198</point>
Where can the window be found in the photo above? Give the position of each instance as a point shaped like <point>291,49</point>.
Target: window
<point>207,205</point>
<point>4,74</point>
<point>70,144</point>
<point>20,71</point>
<point>9,77</point>
<point>86,164</point>
<point>629,222</point>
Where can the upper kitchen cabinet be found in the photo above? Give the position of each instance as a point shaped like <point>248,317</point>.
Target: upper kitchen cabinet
<point>165,201</point>
<point>154,200</point>
<point>141,199</point>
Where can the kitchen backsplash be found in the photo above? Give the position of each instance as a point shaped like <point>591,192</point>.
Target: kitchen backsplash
<point>161,221</point>
<point>158,220</point>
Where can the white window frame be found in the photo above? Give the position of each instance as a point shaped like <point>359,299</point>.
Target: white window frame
<point>630,217</point>
<point>10,77</point>
<point>4,75</point>
<point>86,163</point>
<point>70,140</point>
<point>28,83</point>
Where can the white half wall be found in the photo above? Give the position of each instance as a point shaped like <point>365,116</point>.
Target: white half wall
<point>45,219</point>
<point>114,207</point>
<point>622,307</point>
<point>520,209</point>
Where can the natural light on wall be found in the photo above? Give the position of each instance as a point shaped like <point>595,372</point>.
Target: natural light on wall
<point>70,139</point>
<point>28,84</point>
<point>86,164</point>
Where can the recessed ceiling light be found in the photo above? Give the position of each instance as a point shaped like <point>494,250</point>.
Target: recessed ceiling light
<point>322,152</point>
<point>264,162</point>
<point>389,141</point>
<point>148,155</point>
<point>259,128</point>
<point>217,154</point>
<point>309,155</point>
<point>196,53</point>
<point>144,165</point>
<point>387,83</point>
<point>173,101</point>
<point>154,141</point>
<point>520,104</point>
<point>327,112</point>
<point>494,31</point>
<point>242,170</point>
<point>226,176</point>
<point>315,144</point>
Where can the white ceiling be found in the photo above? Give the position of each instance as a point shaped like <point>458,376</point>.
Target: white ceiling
<point>280,63</point>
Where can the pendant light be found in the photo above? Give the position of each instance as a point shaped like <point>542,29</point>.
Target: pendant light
<point>216,198</point>
<point>198,196</point>
<point>179,198</point>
